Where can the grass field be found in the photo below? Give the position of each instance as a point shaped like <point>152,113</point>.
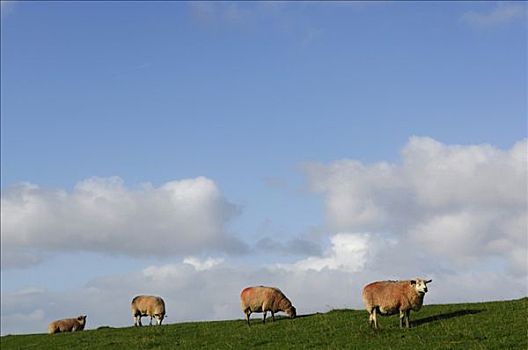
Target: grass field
<point>492,325</point>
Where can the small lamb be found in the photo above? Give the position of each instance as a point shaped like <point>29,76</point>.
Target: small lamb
<point>67,325</point>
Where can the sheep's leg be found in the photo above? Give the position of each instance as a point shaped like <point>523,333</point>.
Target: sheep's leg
<point>264,319</point>
<point>407,314</point>
<point>370,320</point>
<point>375,317</point>
<point>248,313</point>
<point>273,316</point>
<point>150,323</point>
<point>402,316</point>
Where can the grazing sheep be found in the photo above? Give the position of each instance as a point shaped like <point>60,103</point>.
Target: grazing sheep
<point>264,299</point>
<point>391,297</point>
<point>67,325</point>
<point>147,305</point>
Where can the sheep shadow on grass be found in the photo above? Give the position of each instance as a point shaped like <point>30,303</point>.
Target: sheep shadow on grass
<point>278,318</point>
<point>444,316</point>
<point>305,315</point>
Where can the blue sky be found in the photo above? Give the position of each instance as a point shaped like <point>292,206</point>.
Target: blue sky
<point>274,120</point>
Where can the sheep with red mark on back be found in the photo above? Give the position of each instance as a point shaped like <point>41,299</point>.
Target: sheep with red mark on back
<point>264,299</point>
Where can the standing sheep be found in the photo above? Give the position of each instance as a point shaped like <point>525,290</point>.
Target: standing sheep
<point>67,325</point>
<point>264,299</point>
<point>391,297</point>
<point>147,305</point>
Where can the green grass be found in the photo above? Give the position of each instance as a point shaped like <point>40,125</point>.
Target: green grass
<point>492,325</point>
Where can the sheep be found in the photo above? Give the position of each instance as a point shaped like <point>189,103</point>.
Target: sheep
<point>67,325</point>
<point>147,305</point>
<point>264,299</point>
<point>390,297</point>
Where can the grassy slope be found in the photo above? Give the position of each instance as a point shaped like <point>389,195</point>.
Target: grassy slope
<point>492,325</point>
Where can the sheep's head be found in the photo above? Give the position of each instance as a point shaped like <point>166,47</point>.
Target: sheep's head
<point>291,311</point>
<point>82,319</point>
<point>159,318</point>
<point>420,285</point>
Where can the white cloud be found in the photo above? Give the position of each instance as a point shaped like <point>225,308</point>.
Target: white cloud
<point>458,203</point>
<point>102,215</point>
<point>502,13</point>
<point>201,265</point>
<point>348,252</point>
<point>29,291</point>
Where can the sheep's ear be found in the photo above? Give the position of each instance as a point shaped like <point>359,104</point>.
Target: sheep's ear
<point>413,282</point>
<point>429,281</point>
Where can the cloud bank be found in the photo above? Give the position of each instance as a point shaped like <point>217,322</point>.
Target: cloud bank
<point>103,215</point>
<point>457,203</point>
